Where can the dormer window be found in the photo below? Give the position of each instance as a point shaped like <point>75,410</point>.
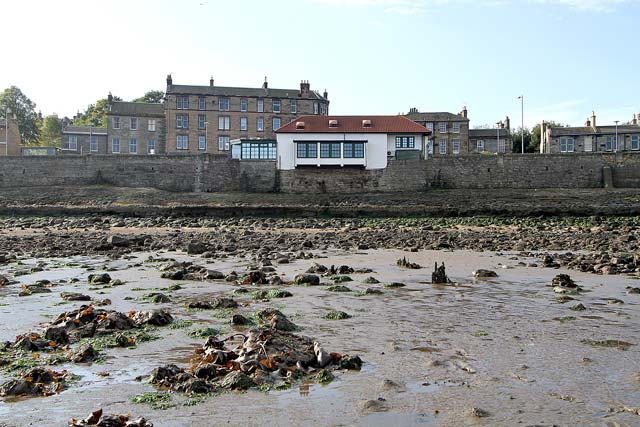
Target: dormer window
<point>299,125</point>
<point>333,123</point>
<point>366,123</point>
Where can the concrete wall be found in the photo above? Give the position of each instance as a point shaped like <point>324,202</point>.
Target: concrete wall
<point>215,173</point>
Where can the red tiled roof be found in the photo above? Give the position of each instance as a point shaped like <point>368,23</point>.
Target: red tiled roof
<point>353,124</point>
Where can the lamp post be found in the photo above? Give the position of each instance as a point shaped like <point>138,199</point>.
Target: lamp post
<point>615,150</point>
<point>521,98</point>
<point>498,133</point>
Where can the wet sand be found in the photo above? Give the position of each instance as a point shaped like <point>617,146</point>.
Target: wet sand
<point>496,344</point>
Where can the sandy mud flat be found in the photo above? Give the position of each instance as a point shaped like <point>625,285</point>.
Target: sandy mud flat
<point>496,351</point>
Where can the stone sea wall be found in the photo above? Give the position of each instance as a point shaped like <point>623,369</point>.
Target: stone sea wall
<point>215,173</point>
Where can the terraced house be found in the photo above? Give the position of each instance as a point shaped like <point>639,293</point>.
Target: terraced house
<point>591,138</point>
<point>135,128</point>
<point>205,119</point>
<point>450,132</point>
<point>83,140</point>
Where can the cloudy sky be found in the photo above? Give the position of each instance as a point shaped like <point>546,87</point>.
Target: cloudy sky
<point>567,57</point>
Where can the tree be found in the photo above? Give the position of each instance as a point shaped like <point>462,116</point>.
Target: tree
<point>51,131</point>
<point>517,141</point>
<point>153,96</point>
<point>24,109</point>
<point>95,114</point>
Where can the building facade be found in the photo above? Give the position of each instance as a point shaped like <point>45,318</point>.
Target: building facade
<point>449,132</point>
<point>83,140</point>
<point>591,138</point>
<point>349,141</point>
<point>205,119</point>
<point>490,141</point>
<point>135,128</point>
<point>9,137</point>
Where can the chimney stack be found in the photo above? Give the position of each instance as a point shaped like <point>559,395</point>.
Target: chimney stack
<point>305,88</point>
<point>325,94</point>
<point>211,81</point>
<point>634,121</point>
<point>593,119</point>
<point>110,99</point>
<point>464,112</point>
<point>265,85</point>
<point>507,123</point>
<point>169,80</point>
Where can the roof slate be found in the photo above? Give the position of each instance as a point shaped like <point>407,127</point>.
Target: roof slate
<point>598,130</point>
<point>137,109</point>
<point>488,133</point>
<point>84,130</point>
<point>240,91</point>
<point>353,124</point>
<point>436,117</point>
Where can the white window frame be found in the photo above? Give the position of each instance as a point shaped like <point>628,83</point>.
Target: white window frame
<point>224,143</point>
<point>133,145</point>
<point>202,142</point>
<point>93,143</point>
<point>480,145</point>
<point>260,106</point>
<point>294,106</point>
<point>73,138</point>
<point>442,146</point>
<point>182,102</point>
<point>182,121</point>
<point>502,146</point>
<point>429,126</point>
<point>429,146</point>
<point>260,124</point>
<point>277,102</point>
<point>244,104</point>
<point>116,122</point>
<point>113,145</point>
<point>133,123</point>
<point>588,144</point>
<point>273,123</point>
<point>224,104</point>
<point>635,140</point>
<point>202,103</point>
<point>151,146</point>
<point>244,124</point>
<point>316,108</point>
<point>456,146</point>
<point>611,144</point>
<point>455,128</point>
<point>151,125</point>
<point>442,127</point>
<point>569,144</point>
<point>202,120</point>
<point>182,142</point>
<point>224,122</point>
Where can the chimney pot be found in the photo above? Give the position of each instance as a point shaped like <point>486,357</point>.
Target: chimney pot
<point>265,85</point>
<point>169,80</point>
<point>593,118</point>
<point>211,81</point>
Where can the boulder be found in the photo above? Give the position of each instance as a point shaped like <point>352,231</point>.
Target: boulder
<point>484,274</point>
<point>307,279</point>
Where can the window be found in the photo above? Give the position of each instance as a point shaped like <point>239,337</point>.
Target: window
<point>133,146</point>
<point>115,145</point>
<point>501,146</point>
<point>323,108</point>
<point>611,144</point>
<point>276,123</point>
<point>202,120</point>
<point>259,150</point>
<point>116,122</point>
<point>567,145</point>
<point>588,143</point>
<point>182,121</point>
<point>260,105</point>
<point>405,142</point>
<point>182,142</point>
<point>480,145</point>
<point>456,146</point>
<point>202,103</point>
<point>635,142</point>
<point>151,146</point>
<point>224,122</point>
<point>72,143</point>
<point>429,126</point>
<point>134,123</point>
<point>202,142</point>
<point>456,127</point>
<point>223,103</point>
<point>182,102</point>
<point>443,146</point>
<point>307,150</point>
<point>442,127</point>
<point>243,123</point>
<point>315,108</point>
<point>277,105</point>
<point>353,150</point>
<point>294,106</point>
<point>243,104</point>
<point>223,143</point>
<point>260,125</point>
<point>93,144</point>
<point>330,150</point>
<point>430,146</point>
<point>152,125</point>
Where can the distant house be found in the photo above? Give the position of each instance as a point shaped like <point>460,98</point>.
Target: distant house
<point>135,128</point>
<point>492,141</point>
<point>349,141</point>
<point>449,132</point>
<point>83,140</point>
<point>591,138</point>
<point>254,149</point>
<point>9,137</point>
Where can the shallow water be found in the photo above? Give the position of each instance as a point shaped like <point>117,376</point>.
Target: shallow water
<point>489,344</point>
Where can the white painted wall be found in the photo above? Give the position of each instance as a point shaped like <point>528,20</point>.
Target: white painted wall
<point>420,141</point>
<point>375,149</point>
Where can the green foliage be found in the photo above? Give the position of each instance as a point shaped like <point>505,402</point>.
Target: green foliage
<point>156,400</point>
<point>531,137</point>
<point>204,333</point>
<point>95,114</point>
<point>25,111</point>
<point>51,131</point>
<point>153,96</point>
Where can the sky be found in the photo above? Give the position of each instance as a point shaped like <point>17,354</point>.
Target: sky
<point>566,57</point>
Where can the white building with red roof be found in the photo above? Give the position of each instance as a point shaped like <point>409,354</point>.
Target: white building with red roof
<point>349,141</point>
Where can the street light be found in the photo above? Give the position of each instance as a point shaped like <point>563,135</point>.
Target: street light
<point>521,98</point>
<point>616,147</point>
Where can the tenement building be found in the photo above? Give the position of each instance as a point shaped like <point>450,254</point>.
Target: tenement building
<point>450,132</point>
<point>590,137</point>
<point>135,128</point>
<point>9,136</point>
<point>205,119</point>
<point>83,140</point>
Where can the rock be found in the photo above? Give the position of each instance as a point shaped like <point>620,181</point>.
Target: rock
<point>371,280</point>
<point>307,280</point>
<point>157,298</point>
<point>239,319</point>
<point>402,262</point>
<point>373,291</point>
<point>196,248</point>
<point>371,406</point>
<point>236,381</point>
<point>483,274</point>
<point>173,275</point>
<point>255,277</point>
<point>338,288</point>
<point>276,320</point>
<point>322,357</point>
<point>394,285</point>
<point>480,413</point>
<point>99,279</point>
<point>564,280</point>
<point>341,279</point>
<point>36,381</point>
<point>3,281</point>
<point>317,269</point>
<point>275,281</point>
<point>118,241</point>
<point>578,307</point>
<point>283,260</point>
<point>336,315</point>
<point>353,363</point>
<point>152,317</point>
<point>83,354</point>
<point>57,334</point>
<point>36,288</point>
<point>632,290</point>
<point>439,275</point>
<point>214,275</point>
<point>74,296</point>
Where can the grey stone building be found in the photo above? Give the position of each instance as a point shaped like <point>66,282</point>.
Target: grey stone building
<point>205,119</point>
<point>591,137</point>
<point>135,128</point>
<point>450,132</point>
<point>491,141</point>
<point>83,140</point>
<point>9,136</point>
